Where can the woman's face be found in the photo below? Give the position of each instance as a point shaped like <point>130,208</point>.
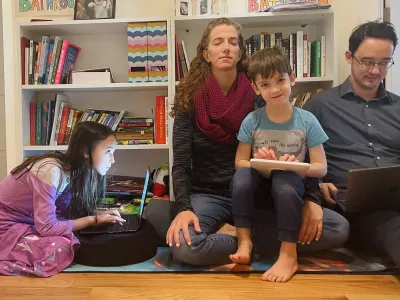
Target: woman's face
<point>223,50</point>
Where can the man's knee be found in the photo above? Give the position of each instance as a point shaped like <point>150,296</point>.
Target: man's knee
<point>336,228</point>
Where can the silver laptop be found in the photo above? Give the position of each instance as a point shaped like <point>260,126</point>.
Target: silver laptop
<point>371,190</point>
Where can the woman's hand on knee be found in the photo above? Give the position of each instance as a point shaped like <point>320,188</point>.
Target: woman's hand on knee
<point>312,223</point>
<point>182,222</point>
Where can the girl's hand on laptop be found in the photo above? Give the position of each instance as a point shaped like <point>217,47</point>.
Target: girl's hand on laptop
<point>113,212</point>
<point>329,191</point>
<point>104,218</point>
<point>287,157</point>
<point>264,153</point>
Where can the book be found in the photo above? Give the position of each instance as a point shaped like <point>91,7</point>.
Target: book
<point>68,56</point>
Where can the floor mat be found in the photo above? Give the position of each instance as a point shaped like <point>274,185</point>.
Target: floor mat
<point>333,261</point>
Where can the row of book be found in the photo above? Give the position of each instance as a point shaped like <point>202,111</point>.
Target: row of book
<point>145,130</point>
<point>307,59</point>
<point>49,61</point>
<point>182,62</point>
<point>52,122</point>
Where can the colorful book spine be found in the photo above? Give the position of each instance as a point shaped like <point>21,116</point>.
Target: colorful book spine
<point>38,123</point>
<point>137,52</point>
<point>68,56</point>
<point>160,124</point>
<point>45,115</point>
<point>32,112</point>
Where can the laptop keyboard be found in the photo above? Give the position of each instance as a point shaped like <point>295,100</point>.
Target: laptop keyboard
<point>116,227</point>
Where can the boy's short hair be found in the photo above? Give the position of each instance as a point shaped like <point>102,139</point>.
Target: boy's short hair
<point>269,61</point>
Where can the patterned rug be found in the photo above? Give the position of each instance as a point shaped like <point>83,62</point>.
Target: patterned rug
<point>337,261</point>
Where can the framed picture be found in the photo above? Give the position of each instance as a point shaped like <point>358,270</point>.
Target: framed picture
<point>94,9</point>
<point>203,7</point>
<point>36,9</point>
<point>184,7</point>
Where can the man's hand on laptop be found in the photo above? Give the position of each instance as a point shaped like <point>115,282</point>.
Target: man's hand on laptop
<point>265,153</point>
<point>311,225</point>
<point>329,192</point>
<point>182,222</point>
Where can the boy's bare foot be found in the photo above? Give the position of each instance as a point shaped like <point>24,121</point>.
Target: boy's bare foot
<point>228,229</point>
<point>243,253</point>
<point>285,266</point>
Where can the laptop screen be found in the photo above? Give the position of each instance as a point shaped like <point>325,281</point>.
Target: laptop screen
<point>144,194</point>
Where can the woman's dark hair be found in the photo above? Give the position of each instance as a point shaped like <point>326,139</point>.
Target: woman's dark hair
<point>375,29</point>
<point>87,187</point>
<point>200,68</point>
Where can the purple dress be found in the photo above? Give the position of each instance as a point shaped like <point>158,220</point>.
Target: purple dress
<point>35,236</point>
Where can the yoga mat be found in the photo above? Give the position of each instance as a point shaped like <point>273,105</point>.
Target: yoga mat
<point>339,261</point>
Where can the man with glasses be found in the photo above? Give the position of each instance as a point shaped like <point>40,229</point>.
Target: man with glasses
<point>362,121</point>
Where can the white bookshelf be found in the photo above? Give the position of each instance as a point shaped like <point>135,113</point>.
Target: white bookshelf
<point>104,44</point>
<point>315,23</point>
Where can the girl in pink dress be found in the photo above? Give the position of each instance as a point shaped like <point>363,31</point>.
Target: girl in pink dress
<point>48,197</point>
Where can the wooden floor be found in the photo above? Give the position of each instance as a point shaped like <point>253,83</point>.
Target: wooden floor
<point>198,286</point>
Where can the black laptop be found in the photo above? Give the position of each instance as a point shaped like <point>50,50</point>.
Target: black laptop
<point>371,190</point>
<point>133,221</point>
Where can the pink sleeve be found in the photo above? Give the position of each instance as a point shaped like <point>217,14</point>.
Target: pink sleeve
<point>44,208</point>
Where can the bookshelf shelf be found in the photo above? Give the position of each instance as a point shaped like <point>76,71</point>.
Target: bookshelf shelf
<point>306,79</point>
<point>97,87</point>
<point>119,147</point>
<point>266,19</point>
<point>81,27</point>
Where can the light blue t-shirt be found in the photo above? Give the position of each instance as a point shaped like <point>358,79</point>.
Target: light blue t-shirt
<point>294,137</point>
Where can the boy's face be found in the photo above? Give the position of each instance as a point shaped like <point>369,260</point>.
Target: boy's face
<point>275,90</point>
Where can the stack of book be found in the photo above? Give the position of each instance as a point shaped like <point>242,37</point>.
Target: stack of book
<point>307,59</point>
<point>49,61</point>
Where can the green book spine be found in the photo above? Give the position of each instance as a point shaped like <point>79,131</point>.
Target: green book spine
<point>316,59</point>
<point>38,123</point>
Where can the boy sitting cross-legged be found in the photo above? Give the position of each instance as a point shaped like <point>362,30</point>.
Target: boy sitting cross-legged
<point>277,131</point>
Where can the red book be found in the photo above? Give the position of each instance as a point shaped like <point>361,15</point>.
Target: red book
<point>24,44</point>
<point>160,120</point>
<point>63,125</point>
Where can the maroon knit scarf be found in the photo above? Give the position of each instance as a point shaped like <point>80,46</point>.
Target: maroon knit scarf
<point>218,116</point>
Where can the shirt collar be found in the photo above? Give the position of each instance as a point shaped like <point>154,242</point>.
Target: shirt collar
<point>346,88</point>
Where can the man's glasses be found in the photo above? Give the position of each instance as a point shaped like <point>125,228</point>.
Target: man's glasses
<point>369,64</point>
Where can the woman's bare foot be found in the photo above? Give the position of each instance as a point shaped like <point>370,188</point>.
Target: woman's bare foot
<point>285,266</point>
<point>228,229</point>
<point>243,253</point>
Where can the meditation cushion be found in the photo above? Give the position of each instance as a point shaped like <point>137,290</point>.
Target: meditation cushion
<point>117,249</point>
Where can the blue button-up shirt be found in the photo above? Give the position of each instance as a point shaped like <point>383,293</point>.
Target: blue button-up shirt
<point>362,134</point>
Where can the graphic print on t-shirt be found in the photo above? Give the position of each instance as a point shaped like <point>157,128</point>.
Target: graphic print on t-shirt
<point>292,142</point>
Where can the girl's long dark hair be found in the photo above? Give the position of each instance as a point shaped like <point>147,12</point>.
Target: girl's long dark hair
<point>87,187</point>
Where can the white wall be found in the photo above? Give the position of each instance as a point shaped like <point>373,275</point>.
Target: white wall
<point>394,74</point>
<point>3,159</point>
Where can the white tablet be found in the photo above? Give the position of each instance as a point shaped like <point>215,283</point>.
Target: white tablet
<point>264,166</point>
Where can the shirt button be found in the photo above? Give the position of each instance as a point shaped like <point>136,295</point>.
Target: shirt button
<point>366,105</point>
<point>369,125</point>
<point>378,158</point>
